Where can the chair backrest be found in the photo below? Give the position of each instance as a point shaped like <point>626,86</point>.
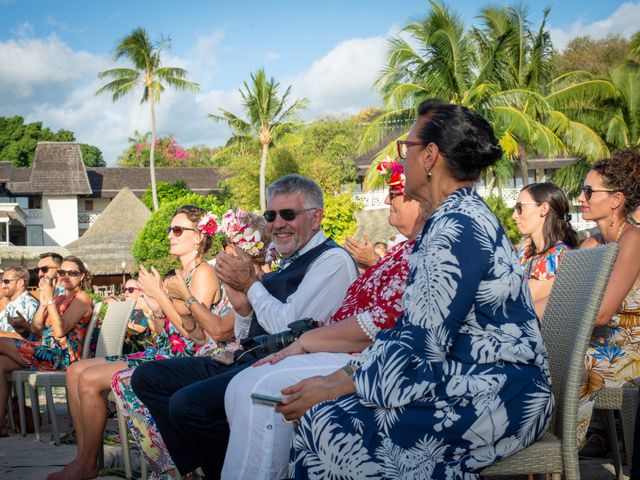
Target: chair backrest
<point>114,328</point>
<point>566,327</point>
<point>86,345</point>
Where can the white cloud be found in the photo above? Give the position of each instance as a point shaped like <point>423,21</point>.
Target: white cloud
<point>271,56</point>
<point>624,21</point>
<point>342,80</point>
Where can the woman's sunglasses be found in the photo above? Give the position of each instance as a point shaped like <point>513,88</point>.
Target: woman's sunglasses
<point>519,205</point>
<point>287,214</point>
<point>131,289</point>
<point>588,191</point>
<point>178,230</point>
<point>70,273</point>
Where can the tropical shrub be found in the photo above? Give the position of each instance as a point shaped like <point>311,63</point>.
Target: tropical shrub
<point>339,216</point>
<point>167,192</point>
<point>504,214</point>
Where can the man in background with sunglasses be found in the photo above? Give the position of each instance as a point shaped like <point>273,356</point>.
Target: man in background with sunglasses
<point>185,396</point>
<point>15,319</point>
<point>48,265</point>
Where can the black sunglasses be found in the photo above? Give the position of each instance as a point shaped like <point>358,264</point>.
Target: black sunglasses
<point>70,273</point>
<point>519,205</point>
<point>287,214</point>
<point>178,230</point>
<point>588,191</point>
<point>45,269</point>
<point>7,281</point>
<point>130,289</point>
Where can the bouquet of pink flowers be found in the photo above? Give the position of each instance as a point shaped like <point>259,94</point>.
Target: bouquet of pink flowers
<point>236,228</point>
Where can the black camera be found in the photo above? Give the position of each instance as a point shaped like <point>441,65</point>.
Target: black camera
<point>277,341</point>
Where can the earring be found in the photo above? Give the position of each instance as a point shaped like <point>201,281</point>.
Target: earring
<point>611,220</point>
<point>428,173</point>
<point>196,250</point>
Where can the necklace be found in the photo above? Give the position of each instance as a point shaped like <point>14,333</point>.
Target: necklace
<point>624,224</point>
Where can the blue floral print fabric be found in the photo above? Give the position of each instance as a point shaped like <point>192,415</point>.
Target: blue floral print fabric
<point>461,381</point>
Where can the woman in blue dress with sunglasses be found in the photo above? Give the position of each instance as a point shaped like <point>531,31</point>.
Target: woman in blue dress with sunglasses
<point>462,379</point>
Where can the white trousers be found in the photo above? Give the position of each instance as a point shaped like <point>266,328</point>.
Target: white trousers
<point>260,439</point>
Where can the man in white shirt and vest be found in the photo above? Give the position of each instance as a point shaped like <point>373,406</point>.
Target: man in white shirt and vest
<point>186,395</point>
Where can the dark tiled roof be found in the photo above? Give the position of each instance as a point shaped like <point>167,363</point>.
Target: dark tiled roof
<point>57,169</point>
<point>107,182</point>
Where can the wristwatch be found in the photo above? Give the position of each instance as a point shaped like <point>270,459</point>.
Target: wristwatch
<point>189,301</point>
<point>350,369</point>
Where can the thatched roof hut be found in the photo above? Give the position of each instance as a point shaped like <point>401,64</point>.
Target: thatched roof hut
<point>27,256</point>
<point>109,240</point>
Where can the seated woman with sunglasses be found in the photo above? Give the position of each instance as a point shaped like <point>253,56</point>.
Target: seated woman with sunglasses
<point>181,326</point>
<point>542,217</point>
<point>243,230</point>
<point>62,323</point>
<point>610,195</point>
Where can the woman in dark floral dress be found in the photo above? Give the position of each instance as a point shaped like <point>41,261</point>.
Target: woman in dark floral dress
<point>61,323</point>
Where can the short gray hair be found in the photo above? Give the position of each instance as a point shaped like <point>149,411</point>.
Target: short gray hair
<point>295,183</point>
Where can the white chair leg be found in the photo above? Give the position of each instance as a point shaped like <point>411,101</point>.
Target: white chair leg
<point>33,395</point>
<point>12,421</point>
<point>52,413</point>
<point>21,404</point>
<point>124,441</point>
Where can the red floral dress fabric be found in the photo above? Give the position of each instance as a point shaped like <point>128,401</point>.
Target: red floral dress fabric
<point>375,297</point>
<point>51,352</point>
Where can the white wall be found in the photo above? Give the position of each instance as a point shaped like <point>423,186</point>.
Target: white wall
<point>60,219</point>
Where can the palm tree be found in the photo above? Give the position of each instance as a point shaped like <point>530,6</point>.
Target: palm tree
<point>149,72</point>
<point>498,70</point>
<point>269,119</point>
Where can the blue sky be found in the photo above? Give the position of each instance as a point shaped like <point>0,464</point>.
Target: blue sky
<point>330,51</point>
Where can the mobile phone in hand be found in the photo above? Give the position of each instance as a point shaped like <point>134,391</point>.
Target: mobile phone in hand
<point>267,399</point>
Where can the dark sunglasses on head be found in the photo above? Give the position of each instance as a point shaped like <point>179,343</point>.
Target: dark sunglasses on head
<point>7,281</point>
<point>70,273</point>
<point>131,289</point>
<point>519,205</point>
<point>178,230</point>
<point>45,269</point>
<point>588,191</point>
<point>287,214</point>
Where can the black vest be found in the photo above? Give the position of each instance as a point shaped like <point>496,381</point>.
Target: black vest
<point>284,283</point>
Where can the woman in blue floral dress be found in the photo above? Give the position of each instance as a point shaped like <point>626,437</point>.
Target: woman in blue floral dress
<point>462,380</point>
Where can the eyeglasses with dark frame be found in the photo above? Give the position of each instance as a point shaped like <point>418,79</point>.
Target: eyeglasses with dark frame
<point>178,230</point>
<point>70,273</point>
<point>518,206</point>
<point>7,281</point>
<point>403,147</point>
<point>130,289</point>
<point>287,214</point>
<point>394,193</point>
<point>46,268</point>
<point>588,190</point>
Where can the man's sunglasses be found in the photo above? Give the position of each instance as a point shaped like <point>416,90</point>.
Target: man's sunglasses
<point>7,281</point>
<point>588,191</point>
<point>70,273</point>
<point>45,269</point>
<point>287,214</point>
<point>131,289</point>
<point>519,205</point>
<point>178,230</point>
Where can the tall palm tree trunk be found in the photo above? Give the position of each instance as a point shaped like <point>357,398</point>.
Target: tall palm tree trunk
<point>263,174</point>
<point>152,160</point>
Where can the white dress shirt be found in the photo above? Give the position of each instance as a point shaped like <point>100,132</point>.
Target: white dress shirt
<point>318,296</point>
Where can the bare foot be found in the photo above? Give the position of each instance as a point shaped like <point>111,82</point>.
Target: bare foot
<point>74,471</point>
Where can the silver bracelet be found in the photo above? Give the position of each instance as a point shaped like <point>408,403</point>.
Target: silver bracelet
<point>189,301</point>
<point>350,369</point>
